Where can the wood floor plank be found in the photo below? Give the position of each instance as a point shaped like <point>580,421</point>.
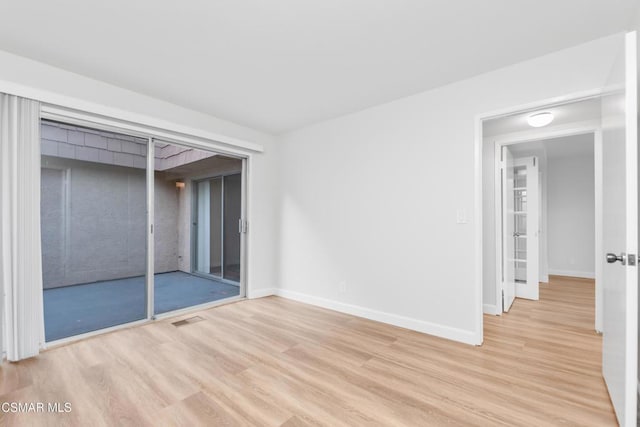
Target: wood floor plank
<point>272,362</point>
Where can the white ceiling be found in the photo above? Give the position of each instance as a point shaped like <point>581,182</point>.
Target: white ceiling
<point>563,114</point>
<point>282,64</point>
<point>557,148</point>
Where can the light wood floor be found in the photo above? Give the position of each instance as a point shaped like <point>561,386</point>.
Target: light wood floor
<point>276,362</point>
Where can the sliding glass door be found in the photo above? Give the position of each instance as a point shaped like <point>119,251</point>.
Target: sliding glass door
<point>191,233</point>
<point>216,226</point>
<point>207,223</point>
<point>93,222</point>
<point>125,238</point>
<point>232,213</point>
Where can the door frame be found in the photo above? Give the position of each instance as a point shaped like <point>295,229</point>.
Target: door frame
<point>194,241</point>
<point>153,135</point>
<point>478,191</point>
<point>150,276</point>
<point>537,135</point>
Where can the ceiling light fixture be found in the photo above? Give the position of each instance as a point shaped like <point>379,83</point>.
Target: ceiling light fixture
<point>539,120</point>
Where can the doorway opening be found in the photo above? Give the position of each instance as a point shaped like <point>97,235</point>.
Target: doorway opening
<point>615,130</point>
<point>543,204</point>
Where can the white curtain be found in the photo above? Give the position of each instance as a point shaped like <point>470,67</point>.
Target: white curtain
<point>20,252</point>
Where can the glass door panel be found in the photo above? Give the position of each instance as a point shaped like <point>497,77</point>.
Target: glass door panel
<point>520,201</point>
<point>232,215</point>
<point>216,231</point>
<point>520,223</point>
<point>189,227</point>
<point>208,227</point>
<point>203,227</point>
<point>94,226</point>
<point>525,227</point>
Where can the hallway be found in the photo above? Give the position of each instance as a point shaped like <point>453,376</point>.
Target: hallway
<point>549,348</point>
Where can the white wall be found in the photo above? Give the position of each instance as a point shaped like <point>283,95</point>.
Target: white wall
<point>369,200</point>
<point>22,73</point>
<point>571,216</point>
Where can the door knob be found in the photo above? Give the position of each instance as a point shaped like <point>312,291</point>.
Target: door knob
<point>611,258</point>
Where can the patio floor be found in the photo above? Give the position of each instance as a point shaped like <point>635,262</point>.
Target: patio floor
<point>73,310</point>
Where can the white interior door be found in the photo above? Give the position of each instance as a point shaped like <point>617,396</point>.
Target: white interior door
<point>508,249</point>
<point>620,239</point>
<point>526,227</point>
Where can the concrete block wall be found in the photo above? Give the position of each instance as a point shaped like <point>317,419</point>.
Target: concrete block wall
<point>93,221</point>
<point>93,206</point>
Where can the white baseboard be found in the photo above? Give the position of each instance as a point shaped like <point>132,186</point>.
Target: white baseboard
<point>570,273</point>
<point>261,293</point>
<point>455,334</point>
<point>490,309</point>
